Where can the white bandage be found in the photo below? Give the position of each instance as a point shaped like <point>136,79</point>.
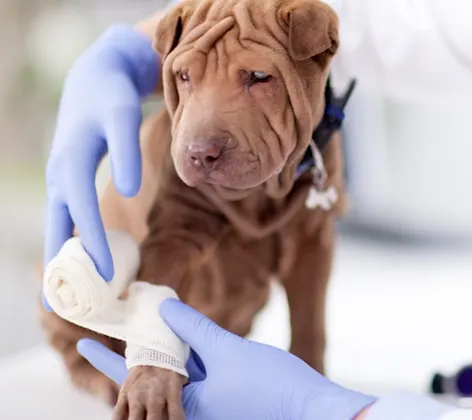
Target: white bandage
<point>77,293</point>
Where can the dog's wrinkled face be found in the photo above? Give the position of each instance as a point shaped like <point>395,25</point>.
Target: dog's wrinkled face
<point>244,83</point>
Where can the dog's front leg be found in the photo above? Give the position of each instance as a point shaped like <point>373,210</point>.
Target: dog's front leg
<point>177,242</point>
<point>306,292</point>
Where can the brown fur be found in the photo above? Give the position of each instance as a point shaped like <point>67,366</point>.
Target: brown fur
<point>219,241</point>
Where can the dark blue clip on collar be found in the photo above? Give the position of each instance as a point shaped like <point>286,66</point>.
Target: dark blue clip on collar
<point>332,121</point>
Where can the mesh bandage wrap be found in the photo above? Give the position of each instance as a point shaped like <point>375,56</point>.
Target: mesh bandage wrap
<point>77,293</point>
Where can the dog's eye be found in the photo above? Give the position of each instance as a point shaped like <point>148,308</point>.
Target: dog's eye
<point>260,77</point>
<point>183,76</point>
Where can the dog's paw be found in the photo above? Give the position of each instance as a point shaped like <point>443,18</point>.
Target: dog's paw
<point>151,393</point>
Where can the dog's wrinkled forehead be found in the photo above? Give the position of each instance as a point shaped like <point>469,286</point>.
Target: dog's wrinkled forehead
<point>300,34</point>
<point>303,28</point>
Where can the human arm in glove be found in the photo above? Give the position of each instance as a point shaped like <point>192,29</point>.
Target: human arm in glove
<point>100,112</point>
<point>233,378</point>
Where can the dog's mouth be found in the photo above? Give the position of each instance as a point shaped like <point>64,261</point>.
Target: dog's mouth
<point>230,169</point>
<point>236,175</point>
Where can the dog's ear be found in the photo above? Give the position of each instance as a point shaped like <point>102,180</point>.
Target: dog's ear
<point>170,28</point>
<point>312,28</point>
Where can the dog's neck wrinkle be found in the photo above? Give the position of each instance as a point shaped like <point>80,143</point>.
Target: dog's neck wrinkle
<point>248,214</point>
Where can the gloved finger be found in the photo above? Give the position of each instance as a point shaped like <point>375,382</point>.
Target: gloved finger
<point>195,367</point>
<point>103,359</point>
<point>46,304</point>
<point>59,228</point>
<point>198,331</point>
<point>123,119</point>
<point>190,399</point>
<point>83,206</point>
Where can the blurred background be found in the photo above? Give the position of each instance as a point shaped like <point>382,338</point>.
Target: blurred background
<point>400,299</point>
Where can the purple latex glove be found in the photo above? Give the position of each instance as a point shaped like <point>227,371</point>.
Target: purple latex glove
<point>100,112</point>
<point>244,379</point>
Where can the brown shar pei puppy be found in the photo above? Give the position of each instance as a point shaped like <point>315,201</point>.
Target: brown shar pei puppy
<point>220,211</point>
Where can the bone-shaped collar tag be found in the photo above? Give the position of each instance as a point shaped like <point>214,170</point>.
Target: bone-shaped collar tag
<point>323,199</point>
<point>318,195</point>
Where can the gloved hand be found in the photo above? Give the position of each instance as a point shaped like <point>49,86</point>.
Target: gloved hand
<point>100,111</point>
<point>244,379</point>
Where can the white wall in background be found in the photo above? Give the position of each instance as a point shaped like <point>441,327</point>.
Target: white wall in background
<point>410,163</point>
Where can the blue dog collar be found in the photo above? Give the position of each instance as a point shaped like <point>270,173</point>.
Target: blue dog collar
<point>333,118</point>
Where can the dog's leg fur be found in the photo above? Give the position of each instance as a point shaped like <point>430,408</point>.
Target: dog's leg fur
<point>306,293</point>
<point>178,241</point>
<point>306,282</point>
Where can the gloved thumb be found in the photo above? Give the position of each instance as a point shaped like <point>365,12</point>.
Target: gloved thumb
<point>199,332</point>
<point>103,359</point>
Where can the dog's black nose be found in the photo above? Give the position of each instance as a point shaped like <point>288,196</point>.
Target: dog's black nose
<point>205,153</point>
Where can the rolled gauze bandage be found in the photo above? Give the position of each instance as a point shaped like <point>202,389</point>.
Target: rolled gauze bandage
<point>77,293</point>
